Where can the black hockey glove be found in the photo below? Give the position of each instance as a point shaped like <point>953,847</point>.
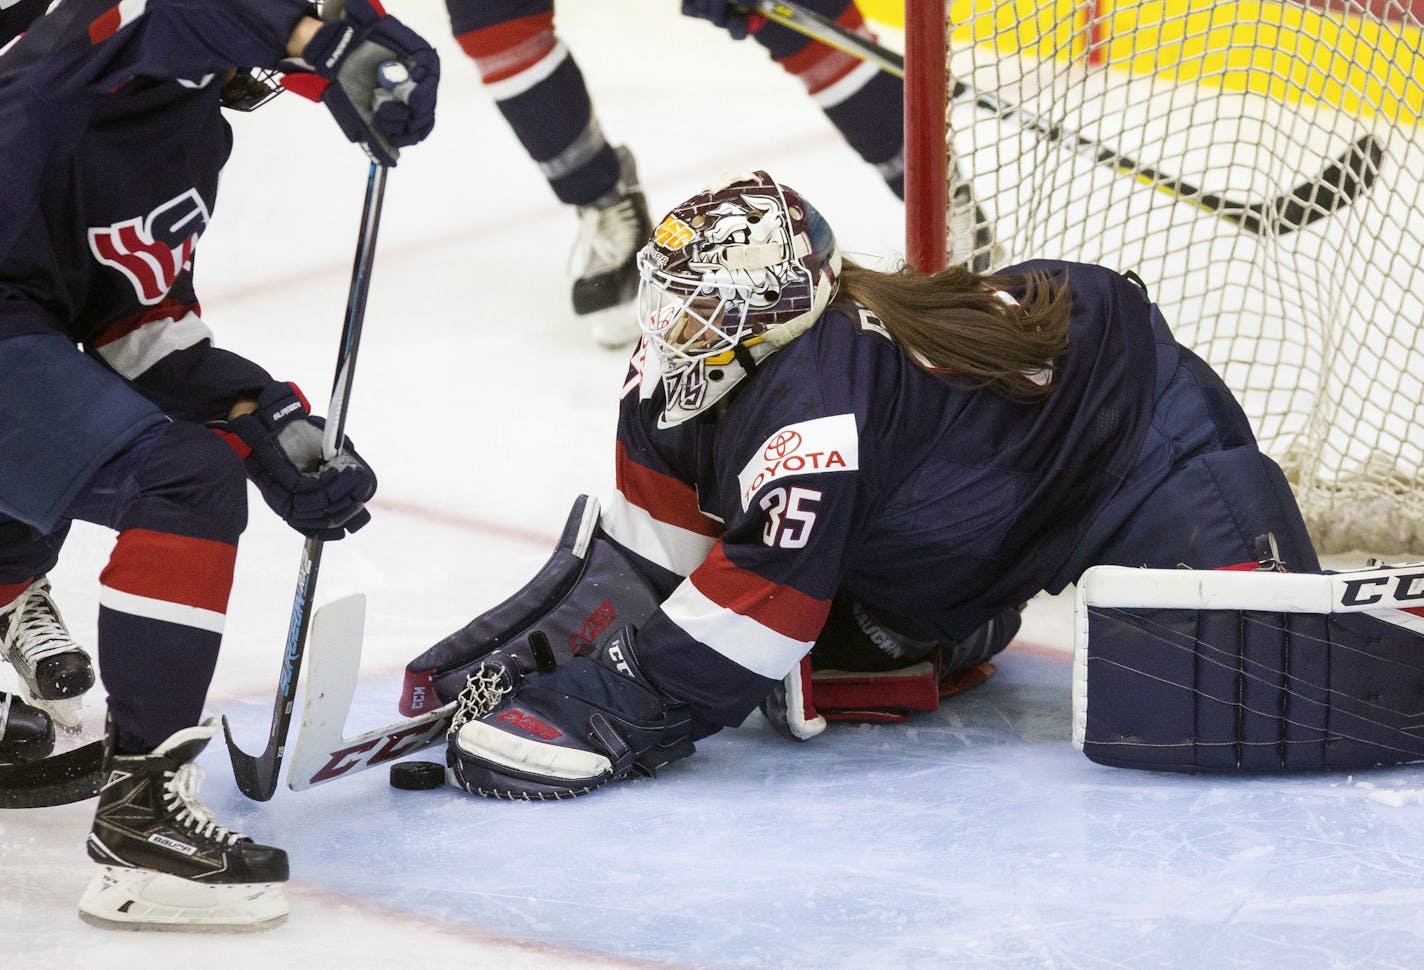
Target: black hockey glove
<point>729,16</point>
<point>385,76</point>
<point>280,443</point>
<point>566,730</point>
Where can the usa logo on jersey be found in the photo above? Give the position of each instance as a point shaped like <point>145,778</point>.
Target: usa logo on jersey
<point>152,250</point>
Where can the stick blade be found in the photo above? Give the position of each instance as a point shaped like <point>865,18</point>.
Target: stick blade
<point>322,752</point>
<point>333,663</point>
<point>256,777</point>
<point>59,779</point>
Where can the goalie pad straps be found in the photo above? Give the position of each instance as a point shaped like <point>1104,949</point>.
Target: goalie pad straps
<point>855,637</point>
<point>1249,672</point>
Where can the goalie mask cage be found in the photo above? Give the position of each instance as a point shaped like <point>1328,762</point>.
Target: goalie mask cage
<point>1258,163</point>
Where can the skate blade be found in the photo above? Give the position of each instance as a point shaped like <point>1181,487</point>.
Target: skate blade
<point>142,899</point>
<point>67,713</point>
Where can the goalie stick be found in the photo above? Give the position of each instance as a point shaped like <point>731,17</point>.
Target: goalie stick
<point>321,752</point>
<point>256,775</point>
<point>1347,176</point>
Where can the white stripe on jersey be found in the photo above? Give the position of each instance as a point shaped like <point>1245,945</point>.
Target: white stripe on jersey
<point>740,639</point>
<point>156,609</point>
<point>136,352</point>
<point>670,546</point>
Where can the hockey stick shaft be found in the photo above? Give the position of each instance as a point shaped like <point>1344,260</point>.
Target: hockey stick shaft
<point>1345,178</point>
<point>256,775</point>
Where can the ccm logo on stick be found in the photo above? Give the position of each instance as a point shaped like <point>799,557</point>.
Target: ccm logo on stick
<point>1406,588</point>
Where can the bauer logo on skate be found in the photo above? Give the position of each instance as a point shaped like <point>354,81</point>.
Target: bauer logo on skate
<point>823,445</point>
<point>672,233</point>
<point>530,724</point>
<point>173,845</point>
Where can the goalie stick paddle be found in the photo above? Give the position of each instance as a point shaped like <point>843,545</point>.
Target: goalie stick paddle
<point>256,775</point>
<point>1344,179</point>
<point>321,752</point>
<point>59,779</point>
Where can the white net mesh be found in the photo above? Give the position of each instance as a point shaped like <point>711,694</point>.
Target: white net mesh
<point>1314,322</point>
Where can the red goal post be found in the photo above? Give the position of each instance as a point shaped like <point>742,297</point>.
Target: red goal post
<point>1260,164</point>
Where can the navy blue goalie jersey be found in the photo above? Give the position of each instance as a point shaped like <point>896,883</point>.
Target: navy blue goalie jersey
<point>840,465</point>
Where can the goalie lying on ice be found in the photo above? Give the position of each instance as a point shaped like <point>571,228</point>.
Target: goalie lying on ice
<point>872,470</point>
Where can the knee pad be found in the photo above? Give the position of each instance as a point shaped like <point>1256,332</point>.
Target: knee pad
<point>188,482</point>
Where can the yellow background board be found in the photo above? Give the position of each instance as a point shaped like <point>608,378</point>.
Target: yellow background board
<point>1284,51</point>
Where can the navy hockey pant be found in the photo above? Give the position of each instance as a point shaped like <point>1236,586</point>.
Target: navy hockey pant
<point>540,90</point>
<point>1201,488</point>
<point>177,496</point>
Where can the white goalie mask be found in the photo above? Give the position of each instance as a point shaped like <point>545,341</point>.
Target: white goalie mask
<point>731,275</point>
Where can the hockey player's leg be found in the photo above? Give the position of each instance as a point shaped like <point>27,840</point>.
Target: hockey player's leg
<point>26,733</point>
<point>167,863</point>
<point>538,87</point>
<point>177,497</point>
<point>867,107</point>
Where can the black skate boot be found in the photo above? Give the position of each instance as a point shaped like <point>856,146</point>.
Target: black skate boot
<point>167,864</point>
<point>55,669</point>
<point>26,733</point>
<point>611,231</point>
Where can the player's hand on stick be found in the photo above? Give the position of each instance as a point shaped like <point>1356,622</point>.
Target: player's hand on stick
<point>376,76</point>
<point>281,444</point>
<point>729,16</point>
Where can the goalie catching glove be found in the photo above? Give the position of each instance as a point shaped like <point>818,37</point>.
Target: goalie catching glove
<point>560,731</point>
<point>281,446</point>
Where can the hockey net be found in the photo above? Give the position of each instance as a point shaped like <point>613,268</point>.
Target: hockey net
<point>1259,164</point>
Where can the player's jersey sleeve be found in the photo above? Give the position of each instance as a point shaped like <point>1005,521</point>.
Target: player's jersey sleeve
<point>52,76</point>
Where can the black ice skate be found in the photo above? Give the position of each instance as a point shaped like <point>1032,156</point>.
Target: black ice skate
<point>611,231</point>
<point>26,733</point>
<point>167,864</point>
<point>55,669</point>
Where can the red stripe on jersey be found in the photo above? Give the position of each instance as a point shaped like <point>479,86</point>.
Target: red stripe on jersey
<point>506,49</point>
<point>169,309</point>
<point>784,609</point>
<point>172,568</point>
<point>818,65</point>
<point>665,498</point>
<point>105,25</point>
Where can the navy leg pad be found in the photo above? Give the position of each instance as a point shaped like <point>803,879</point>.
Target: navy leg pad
<point>1183,670</point>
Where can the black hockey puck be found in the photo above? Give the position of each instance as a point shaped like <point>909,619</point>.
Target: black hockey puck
<point>417,775</point>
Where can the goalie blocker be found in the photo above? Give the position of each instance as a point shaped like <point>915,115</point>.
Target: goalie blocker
<point>1249,672</point>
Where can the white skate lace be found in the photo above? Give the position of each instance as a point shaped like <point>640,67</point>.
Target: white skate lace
<point>606,238</point>
<point>181,793</point>
<point>36,627</point>
<point>484,688</point>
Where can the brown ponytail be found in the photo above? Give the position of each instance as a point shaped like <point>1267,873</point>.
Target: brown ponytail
<point>952,321</point>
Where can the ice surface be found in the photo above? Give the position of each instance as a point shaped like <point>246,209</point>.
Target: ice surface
<point>974,837</point>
